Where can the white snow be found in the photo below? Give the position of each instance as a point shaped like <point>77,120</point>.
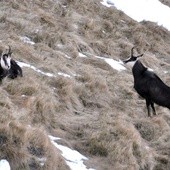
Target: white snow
<point>117,65</point>
<point>27,40</point>
<point>4,165</point>
<point>72,157</point>
<point>63,74</point>
<point>66,56</point>
<point>82,55</point>
<point>22,64</point>
<point>52,138</point>
<point>139,10</point>
<point>107,3</point>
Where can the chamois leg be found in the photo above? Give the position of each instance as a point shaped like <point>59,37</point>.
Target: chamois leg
<point>153,108</point>
<point>148,103</point>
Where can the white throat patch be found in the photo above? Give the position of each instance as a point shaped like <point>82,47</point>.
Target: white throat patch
<point>131,64</point>
<point>5,62</point>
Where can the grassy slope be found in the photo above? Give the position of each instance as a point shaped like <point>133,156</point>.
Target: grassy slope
<point>97,111</point>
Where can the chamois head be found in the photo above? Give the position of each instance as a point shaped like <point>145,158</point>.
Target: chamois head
<point>132,58</point>
<point>6,59</point>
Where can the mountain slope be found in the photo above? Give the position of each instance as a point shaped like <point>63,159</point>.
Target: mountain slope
<point>86,102</point>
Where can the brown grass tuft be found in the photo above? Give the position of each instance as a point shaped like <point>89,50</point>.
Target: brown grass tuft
<point>13,148</point>
<point>28,148</point>
<point>43,151</point>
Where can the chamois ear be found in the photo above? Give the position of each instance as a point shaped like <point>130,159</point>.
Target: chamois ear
<point>132,51</point>
<point>7,52</point>
<point>139,55</point>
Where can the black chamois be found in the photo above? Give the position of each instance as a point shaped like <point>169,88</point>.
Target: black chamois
<point>148,85</point>
<point>15,70</point>
<point>5,64</point>
<point>9,67</point>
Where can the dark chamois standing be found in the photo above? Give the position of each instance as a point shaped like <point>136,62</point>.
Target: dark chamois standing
<point>149,85</point>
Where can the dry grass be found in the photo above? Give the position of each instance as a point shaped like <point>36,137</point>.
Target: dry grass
<point>96,110</point>
<point>27,148</point>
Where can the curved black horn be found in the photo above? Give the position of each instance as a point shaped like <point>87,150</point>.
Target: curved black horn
<point>132,50</point>
<point>9,51</point>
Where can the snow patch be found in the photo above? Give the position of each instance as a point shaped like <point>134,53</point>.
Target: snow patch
<point>107,3</point>
<point>117,65</point>
<point>66,56</point>
<point>63,74</point>
<point>4,165</point>
<point>21,64</point>
<point>72,157</point>
<point>27,40</point>
<point>82,55</point>
<point>139,10</point>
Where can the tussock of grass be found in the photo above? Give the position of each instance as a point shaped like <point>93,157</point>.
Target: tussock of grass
<point>43,110</point>
<point>24,146</point>
<point>94,93</point>
<point>28,89</point>
<point>146,130</point>
<point>41,147</point>
<point>131,148</point>
<point>95,147</point>
<point>13,144</point>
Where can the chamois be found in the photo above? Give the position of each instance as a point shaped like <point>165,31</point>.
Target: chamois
<point>5,63</point>
<point>9,67</point>
<point>148,85</point>
<point>15,69</point>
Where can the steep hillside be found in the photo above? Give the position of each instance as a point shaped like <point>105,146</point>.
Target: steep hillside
<point>70,92</point>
